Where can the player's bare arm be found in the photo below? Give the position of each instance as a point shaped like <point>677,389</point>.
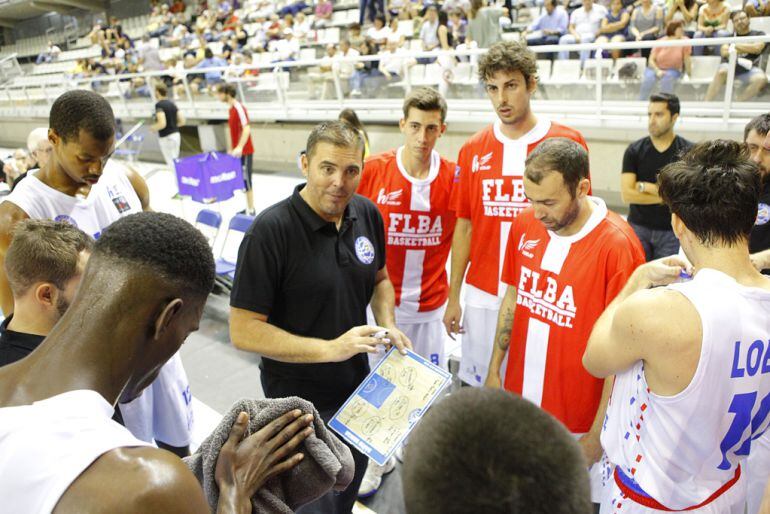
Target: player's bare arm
<point>140,187</point>
<point>502,338</point>
<point>10,215</point>
<point>461,252</point>
<point>625,333</point>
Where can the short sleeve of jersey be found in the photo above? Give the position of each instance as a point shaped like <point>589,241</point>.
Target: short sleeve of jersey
<point>258,272</point>
<point>366,185</point>
<point>630,159</point>
<point>510,271</point>
<point>460,201</point>
<point>623,260</point>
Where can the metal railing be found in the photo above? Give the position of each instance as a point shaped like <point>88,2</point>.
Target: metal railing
<point>280,91</point>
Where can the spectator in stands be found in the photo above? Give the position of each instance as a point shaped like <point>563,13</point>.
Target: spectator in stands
<point>363,70</point>
<point>484,24</point>
<point>667,63</point>
<point>712,22</point>
<point>274,28</point>
<point>149,55</point>
<point>301,26</point>
<point>114,31</point>
<point>685,11</point>
<point>159,23</point>
<point>178,7</point>
<point>379,32</point>
<point>393,64</point>
<point>137,86</point>
<point>96,36</point>
<point>346,69</point>
<point>286,49</point>
<point>458,26</point>
<point>549,27</point>
<point>168,119</point>
<point>240,35</point>
<point>642,162</point>
<point>323,76</point>
<point>396,34</point>
<point>293,8</point>
<point>646,24</point>
<point>756,8</point>
<point>51,53</point>
<point>355,36</point>
<point>323,13</point>
<point>371,7</point>
<point>503,455</point>
<point>614,27</point>
<point>39,148</point>
<point>584,25</point>
<point>747,70</point>
<point>446,62</point>
<point>429,30</point>
<point>456,5</point>
<point>80,69</point>
<point>209,61</point>
<point>15,167</point>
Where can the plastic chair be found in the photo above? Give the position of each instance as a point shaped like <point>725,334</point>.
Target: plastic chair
<point>239,224</point>
<point>208,222</point>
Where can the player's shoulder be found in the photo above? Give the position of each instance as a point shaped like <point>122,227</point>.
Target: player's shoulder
<point>381,159</point>
<point>616,233</point>
<point>138,479</point>
<point>480,139</point>
<point>559,130</point>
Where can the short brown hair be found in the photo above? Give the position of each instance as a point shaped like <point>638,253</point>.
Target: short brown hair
<point>161,89</point>
<point>508,56</point>
<point>672,26</point>
<point>44,251</point>
<point>561,155</point>
<point>337,133</point>
<point>425,99</point>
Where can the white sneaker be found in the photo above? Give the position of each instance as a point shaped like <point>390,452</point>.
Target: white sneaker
<point>373,477</point>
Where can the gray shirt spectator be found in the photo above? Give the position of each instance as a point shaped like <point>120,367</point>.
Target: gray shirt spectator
<point>484,24</point>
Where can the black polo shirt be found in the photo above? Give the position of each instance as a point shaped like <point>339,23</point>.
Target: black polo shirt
<point>311,280</point>
<point>760,234</point>
<point>15,346</point>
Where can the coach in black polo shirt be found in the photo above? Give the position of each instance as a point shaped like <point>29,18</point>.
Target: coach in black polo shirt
<point>754,135</point>
<point>307,269</point>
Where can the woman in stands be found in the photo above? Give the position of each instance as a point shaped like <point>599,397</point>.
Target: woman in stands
<point>614,28</point>
<point>484,24</point>
<point>447,62</point>
<point>667,63</point>
<point>685,11</point>
<point>712,22</point>
<point>646,24</point>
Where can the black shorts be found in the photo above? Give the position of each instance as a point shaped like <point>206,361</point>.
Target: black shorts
<point>246,162</point>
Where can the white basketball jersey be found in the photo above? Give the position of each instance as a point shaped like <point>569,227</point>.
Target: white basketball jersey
<point>163,411</point>
<point>111,198</point>
<point>45,446</point>
<point>682,449</point>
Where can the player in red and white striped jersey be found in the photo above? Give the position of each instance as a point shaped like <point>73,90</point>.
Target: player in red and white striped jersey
<point>412,187</point>
<point>567,257</point>
<point>488,195</point>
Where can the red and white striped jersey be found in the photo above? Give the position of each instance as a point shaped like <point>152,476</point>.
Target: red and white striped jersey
<point>563,284</point>
<point>490,193</point>
<point>419,224</point>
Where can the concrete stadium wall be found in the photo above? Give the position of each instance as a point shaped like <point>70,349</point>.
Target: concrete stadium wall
<point>277,145</point>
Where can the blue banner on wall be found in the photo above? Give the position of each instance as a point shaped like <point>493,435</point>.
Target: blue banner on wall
<point>209,177</point>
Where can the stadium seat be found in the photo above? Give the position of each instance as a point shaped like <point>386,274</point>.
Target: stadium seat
<point>543,70</point>
<point>225,263</point>
<point>565,71</point>
<point>208,222</point>
<point>704,67</point>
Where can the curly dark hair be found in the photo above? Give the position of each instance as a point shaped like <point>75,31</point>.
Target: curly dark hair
<point>164,243</point>
<point>760,124</point>
<point>508,56</point>
<point>714,189</point>
<point>80,109</point>
<point>488,450</point>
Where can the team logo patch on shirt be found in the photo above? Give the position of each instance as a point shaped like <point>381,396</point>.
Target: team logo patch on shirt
<point>66,219</point>
<point>392,198</point>
<point>481,164</point>
<point>457,173</point>
<point>364,250</point>
<point>120,202</point>
<point>763,214</point>
<point>526,245</point>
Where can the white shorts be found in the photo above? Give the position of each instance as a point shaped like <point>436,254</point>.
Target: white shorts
<point>427,339</point>
<point>731,501</point>
<point>480,324</point>
<point>163,411</point>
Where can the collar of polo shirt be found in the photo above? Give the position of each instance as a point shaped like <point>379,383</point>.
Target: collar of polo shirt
<point>311,218</point>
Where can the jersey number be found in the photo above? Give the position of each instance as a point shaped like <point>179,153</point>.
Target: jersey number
<point>743,408</point>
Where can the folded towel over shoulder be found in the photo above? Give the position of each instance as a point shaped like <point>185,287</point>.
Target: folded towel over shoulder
<point>328,463</point>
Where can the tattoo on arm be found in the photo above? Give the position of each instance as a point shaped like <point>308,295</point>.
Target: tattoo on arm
<point>503,337</point>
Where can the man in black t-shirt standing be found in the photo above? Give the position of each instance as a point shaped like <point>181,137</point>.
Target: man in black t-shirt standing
<point>168,119</point>
<point>307,269</point>
<point>643,160</point>
<point>754,135</point>
<point>747,70</point>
